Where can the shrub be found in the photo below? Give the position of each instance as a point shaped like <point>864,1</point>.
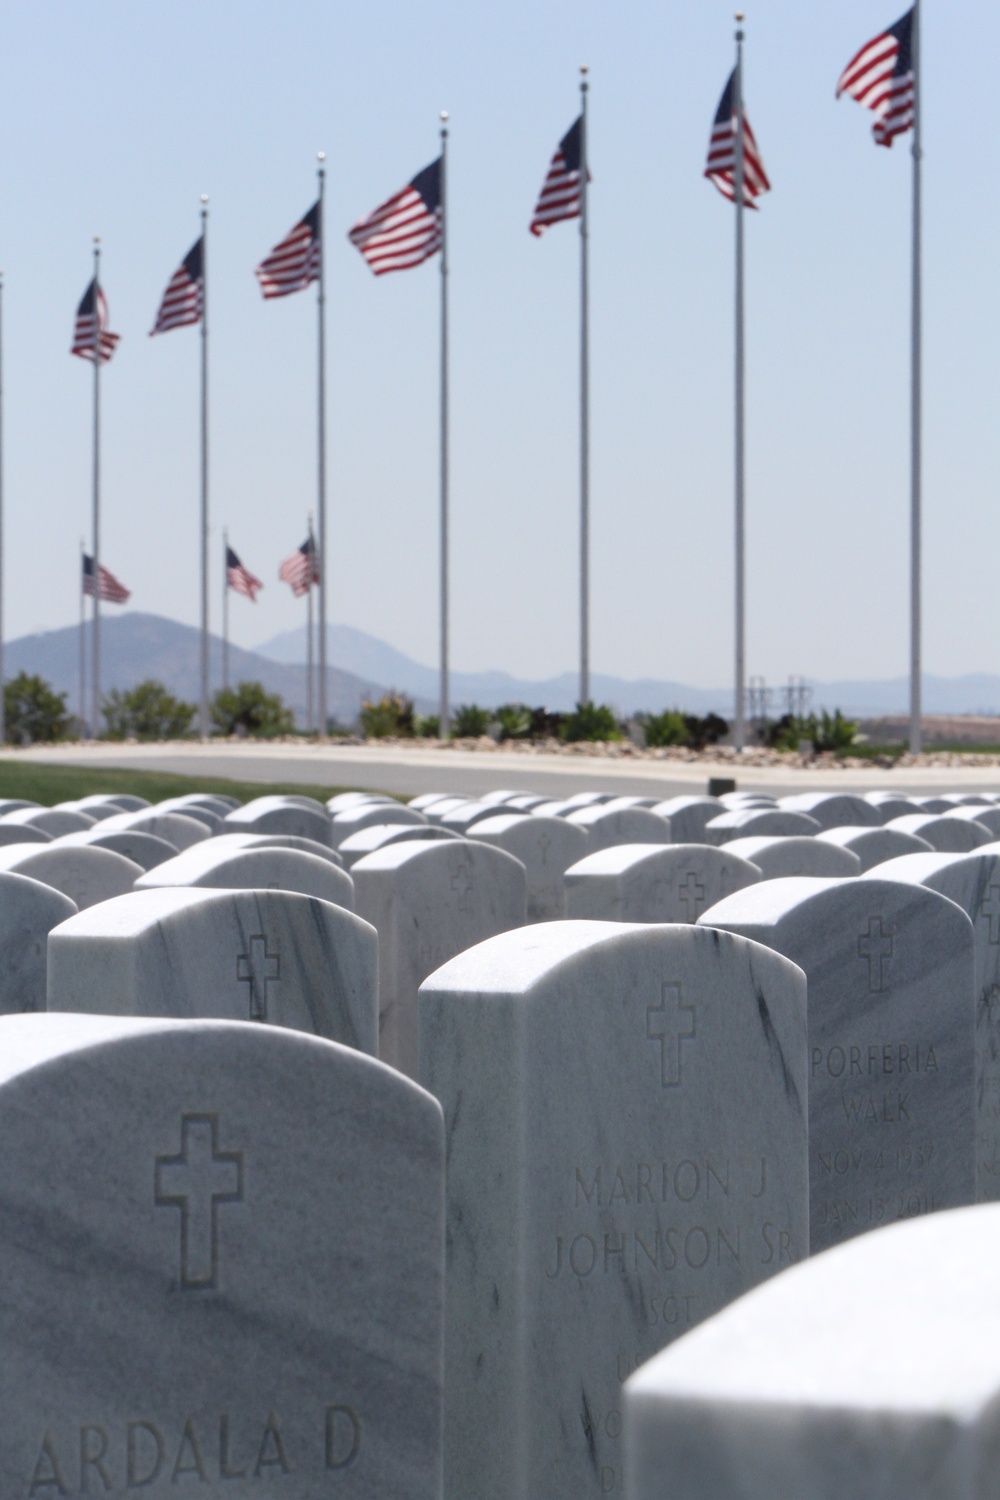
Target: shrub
<point>249,709</point>
<point>828,732</point>
<point>707,731</point>
<point>515,721</point>
<point>146,712</point>
<point>469,721</point>
<point>390,717</point>
<point>428,727</point>
<point>546,726</point>
<point>668,728</point>
<point>34,711</point>
<point>591,721</point>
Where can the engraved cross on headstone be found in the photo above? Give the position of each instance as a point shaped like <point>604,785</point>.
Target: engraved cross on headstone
<point>876,947</point>
<point>197,1181</point>
<point>991,911</point>
<point>544,840</point>
<point>257,968</point>
<point>692,893</point>
<point>461,883</point>
<point>663,1025</point>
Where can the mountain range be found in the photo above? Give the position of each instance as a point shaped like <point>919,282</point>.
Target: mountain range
<point>372,659</point>
<point>135,646</point>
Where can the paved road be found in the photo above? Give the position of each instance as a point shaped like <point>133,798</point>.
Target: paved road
<point>408,772</point>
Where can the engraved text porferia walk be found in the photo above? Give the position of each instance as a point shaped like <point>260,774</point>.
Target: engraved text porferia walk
<point>671,1023</point>
<point>198,1181</point>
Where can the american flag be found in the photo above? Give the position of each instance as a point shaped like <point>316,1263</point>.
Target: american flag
<point>881,78</point>
<point>721,165</point>
<point>406,229</point>
<point>184,300</point>
<point>562,191</point>
<point>240,579</point>
<point>301,569</point>
<point>109,587</point>
<point>92,326</point>
<point>293,263</point>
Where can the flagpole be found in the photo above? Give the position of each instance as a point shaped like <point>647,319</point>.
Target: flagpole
<point>321,468</point>
<point>203,705</point>
<point>225,602</point>
<point>3,723</point>
<point>83,645</point>
<point>739,727</point>
<point>309,628</point>
<point>584,401</point>
<point>444,714</point>
<point>95,685</point>
<point>916,412</point>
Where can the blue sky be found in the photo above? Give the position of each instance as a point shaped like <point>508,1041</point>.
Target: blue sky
<point>115,118</point>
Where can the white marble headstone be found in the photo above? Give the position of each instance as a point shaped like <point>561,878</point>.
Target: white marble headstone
<point>275,869</point>
<point>50,820</point>
<point>28,912</point>
<point>222,1261</point>
<point>890,968</point>
<point>428,901</point>
<point>654,882</point>
<point>777,855</point>
<point>86,874</point>
<point>873,846</point>
<point>943,831</point>
<point>833,809</point>
<point>625,1116</point>
<point>178,829</point>
<point>972,881</point>
<point>546,848</point>
<point>377,835</point>
<point>278,815</point>
<point>605,827</point>
<point>688,815</point>
<point>352,819</point>
<point>268,956</point>
<point>143,849</point>
<point>759,822</point>
<point>872,1372</point>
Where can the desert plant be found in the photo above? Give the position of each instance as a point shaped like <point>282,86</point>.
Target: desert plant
<point>828,732</point>
<point>427,726</point>
<point>590,721</point>
<point>834,732</point>
<point>34,712</point>
<point>146,712</point>
<point>390,718</point>
<point>469,721</point>
<point>249,709</point>
<point>514,720</point>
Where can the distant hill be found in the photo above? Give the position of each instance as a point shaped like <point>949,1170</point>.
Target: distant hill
<point>368,657</point>
<point>135,646</point>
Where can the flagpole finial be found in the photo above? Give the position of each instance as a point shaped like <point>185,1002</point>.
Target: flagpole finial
<point>584,69</point>
<point>444,117</point>
<point>321,157</point>
<point>204,197</point>
<point>97,239</point>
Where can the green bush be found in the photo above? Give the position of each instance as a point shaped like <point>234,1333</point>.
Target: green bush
<point>469,721</point>
<point>249,709</point>
<point>390,718</point>
<point>591,721</point>
<point>146,712</point>
<point>514,720</point>
<point>827,733</point>
<point>668,728</point>
<point>34,712</point>
<point>428,727</point>
<point>546,726</point>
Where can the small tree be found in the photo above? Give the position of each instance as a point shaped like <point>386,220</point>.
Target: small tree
<point>146,712</point>
<point>34,711</point>
<point>514,720</point>
<point>249,709</point>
